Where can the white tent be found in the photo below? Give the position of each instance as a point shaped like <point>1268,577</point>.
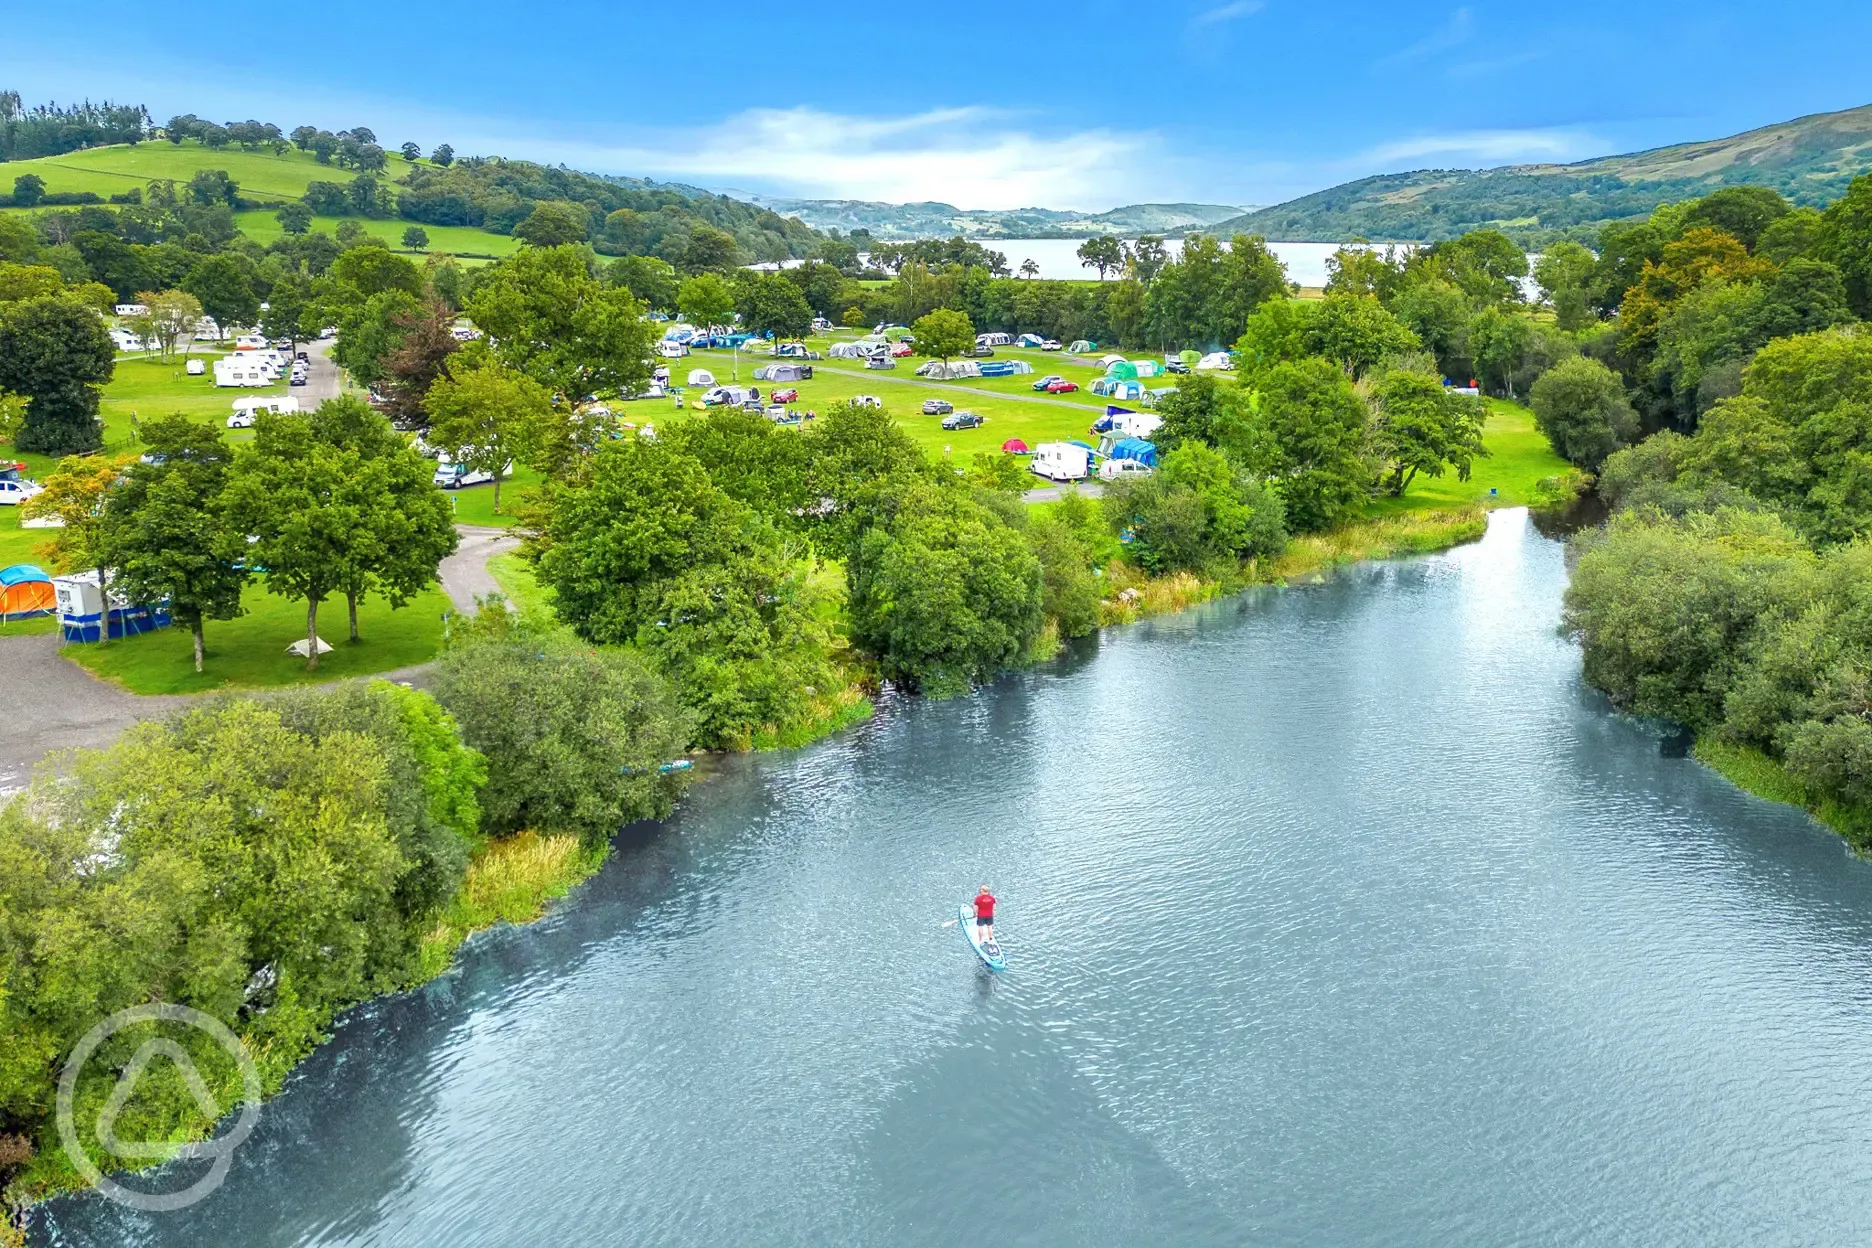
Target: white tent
<point>701,377</point>
<point>1021,366</point>
<point>1215,359</point>
<point>1106,361</point>
<point>847,351</point>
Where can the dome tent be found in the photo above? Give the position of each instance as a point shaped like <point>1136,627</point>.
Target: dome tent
<point>701,377</point>
<point>25,589</point>
<point>1187,356</point>
<point>1123,370</point>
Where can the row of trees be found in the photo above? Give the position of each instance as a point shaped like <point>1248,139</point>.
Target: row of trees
<point>271,861</point>
<point>49,130</point>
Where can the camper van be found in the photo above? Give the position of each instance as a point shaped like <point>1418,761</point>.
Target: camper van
<point>1061,461</point>
<point>455,476</point>
<point>246,409</point>
<point>250,342</point>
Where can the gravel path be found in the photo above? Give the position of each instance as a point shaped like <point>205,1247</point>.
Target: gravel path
<point>465,574</point>
<point>1053,493</point>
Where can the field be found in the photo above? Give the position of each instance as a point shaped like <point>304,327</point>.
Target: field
<point>112,170</point>
<point>263,227</point>
<point>250,651</point>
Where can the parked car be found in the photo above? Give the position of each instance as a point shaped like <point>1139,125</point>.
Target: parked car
<point>1175,366</point>
<point>241,420</point>
<point>1051,344</point>
<point>454,476</point>
<point>964,420</point>
<point>297,379</point>
<point>17,490</point>
<point>788,395</point>
<point>937,407</point>
<point>1048,380</point>
<point>1059,385</point>
<point>880,361</point>
<point>979,352</point>
<point>903,349</point>
<point>1122,469</point>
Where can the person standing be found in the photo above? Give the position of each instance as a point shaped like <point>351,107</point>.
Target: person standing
<point>984,916</point>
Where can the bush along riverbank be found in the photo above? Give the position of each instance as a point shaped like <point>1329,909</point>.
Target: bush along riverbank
<point>270,861</point>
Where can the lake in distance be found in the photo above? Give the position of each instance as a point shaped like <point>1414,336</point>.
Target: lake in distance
<point>1340,914</point>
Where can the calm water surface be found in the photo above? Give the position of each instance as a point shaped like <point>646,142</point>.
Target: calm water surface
<point>1339,915</point>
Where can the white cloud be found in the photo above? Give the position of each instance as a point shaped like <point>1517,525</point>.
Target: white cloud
<point>1492,146</point>
<point>1226,12</point>
<point>970,157</point>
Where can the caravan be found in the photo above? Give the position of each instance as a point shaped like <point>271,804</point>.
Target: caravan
<point>246,409</point>
<point>1061,461</point>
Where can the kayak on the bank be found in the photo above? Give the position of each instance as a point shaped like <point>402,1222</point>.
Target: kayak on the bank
<point>987,950</point>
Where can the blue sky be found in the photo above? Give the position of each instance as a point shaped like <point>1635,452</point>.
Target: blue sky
<point>1088,106</point>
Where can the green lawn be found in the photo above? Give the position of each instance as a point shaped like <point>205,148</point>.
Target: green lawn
<point>262,225</point>
<point>1519,459</point>
<point>475,504</point>
<point>250,652</point>
<point>515,577</point>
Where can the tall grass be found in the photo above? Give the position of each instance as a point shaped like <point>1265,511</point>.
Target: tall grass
<point>1755,772</point>
<point>1132,594</point>
<point>1385,538</point>
<point>510,881</point>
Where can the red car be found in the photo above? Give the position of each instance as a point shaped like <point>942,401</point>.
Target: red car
<point>788,395</point>
<point>1062,387</point>
<point>902,349</point>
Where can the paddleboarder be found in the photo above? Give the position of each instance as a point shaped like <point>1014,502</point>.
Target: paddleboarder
<point>984,916</point>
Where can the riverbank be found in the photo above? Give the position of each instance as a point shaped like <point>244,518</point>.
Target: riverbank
<point>1756,773</point>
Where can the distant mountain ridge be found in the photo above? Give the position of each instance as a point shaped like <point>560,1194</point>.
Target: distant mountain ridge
<point>905,222</point>
<point>1809,159</point>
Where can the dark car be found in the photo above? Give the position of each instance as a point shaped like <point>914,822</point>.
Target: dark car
<point>963,420</point>
<point>1176,366</point>
<point>1048,380</point>
<point>937,407</point>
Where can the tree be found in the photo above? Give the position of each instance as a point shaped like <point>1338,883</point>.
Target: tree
<point>28,190</point>
<point>56,352</point>
<point>373,269</point>
<point>225,288</point>
<point>161,528</point>
<point>412,152</point>
<point>942,334</point>
<point>710,250</point>
<point>574,737</point>
<point>549,318</point>
<point>1580,405</point>
<point>648,278</point>
<point>706,300</point>
<point>1565,274</point>
<point>1354,332</point>
<point>1196,511</point>
<point>1420,425</point>
<point>554,224</point>
<point>295,217</point>
<point>289,311</point>
<point>416,351</point>
<point>1029,269</point>
<point>74,495</point>
<point>773,304</point>
<point>444,155</point>
<point>415,238</point>
<point>488,418</point>
<point>411,521</point>
<point>1742,212</point>
<point>1316,422</point>
<point>1148,257</point>
<point>171,320</point>
<point>943,593</point>
<point>1101,252</point>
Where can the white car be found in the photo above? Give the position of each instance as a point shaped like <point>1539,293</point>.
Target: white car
<point>241,420</point>
<point>17,491</point>
<point>1051,344</point>
<point>1123,469</point>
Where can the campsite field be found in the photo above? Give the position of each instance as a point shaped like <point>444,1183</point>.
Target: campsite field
<point>250,651</point>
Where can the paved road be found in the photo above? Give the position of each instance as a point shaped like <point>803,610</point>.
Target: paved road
<point>465,574</point>
<point>60,706</point>
<point>1053,493</point>
<point>323,380</point>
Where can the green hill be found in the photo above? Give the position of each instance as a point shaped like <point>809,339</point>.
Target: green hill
<point>906,222</point>
<point>108,171</point>
<point>1809,159</point>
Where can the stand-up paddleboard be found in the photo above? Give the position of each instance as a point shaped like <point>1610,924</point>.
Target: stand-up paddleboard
<point>987,950</point>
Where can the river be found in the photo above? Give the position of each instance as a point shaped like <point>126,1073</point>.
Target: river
<point>1342,914</point>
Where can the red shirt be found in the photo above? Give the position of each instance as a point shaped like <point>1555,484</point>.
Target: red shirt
<point>984,905</point>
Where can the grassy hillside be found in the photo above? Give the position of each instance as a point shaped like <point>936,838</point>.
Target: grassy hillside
<point>1809,159</point>
<point>906,222</point>
<point>110,170</point>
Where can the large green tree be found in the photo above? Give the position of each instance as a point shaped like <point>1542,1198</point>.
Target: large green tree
<point>224,284</point>
<point>56,352</point>
<point>162,529</point>
<point>942,334</point>
<point>1420,426</point>
<point>1581,406</point>
<point>548,317</point>
<point>488,418</point>
<point>1317,425</point>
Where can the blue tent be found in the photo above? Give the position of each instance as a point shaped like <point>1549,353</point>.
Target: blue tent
<point>1136,448</point>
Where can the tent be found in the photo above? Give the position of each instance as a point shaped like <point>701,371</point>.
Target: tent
<point>1106,361</point>
<point>1135,448</point>
<point>1079,346</point>
<point>1187,356</point>
<point>1020,366</point>
<point>997,368</point>
<point>1029,340</point>
<point>1215,359</point>
<point>1123,370</point>
<point>701,377</point>
<point>783,372</point>
<point>1147,368</point>
<point>1118,388</point>
<point>847,351</point>
<point>1014,446</point>
<point>26,590</point>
